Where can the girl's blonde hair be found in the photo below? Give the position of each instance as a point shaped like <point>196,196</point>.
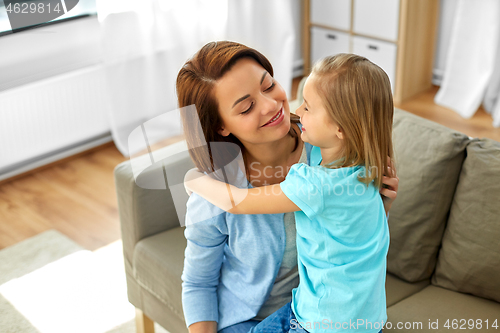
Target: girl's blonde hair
<point>357,94</point>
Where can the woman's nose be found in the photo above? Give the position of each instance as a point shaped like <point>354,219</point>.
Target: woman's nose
<point>269,105</point>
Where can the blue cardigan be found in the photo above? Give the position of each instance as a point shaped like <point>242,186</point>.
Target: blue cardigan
<point>231,262</point>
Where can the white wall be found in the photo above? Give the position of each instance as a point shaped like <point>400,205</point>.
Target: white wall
<point>297,22</point>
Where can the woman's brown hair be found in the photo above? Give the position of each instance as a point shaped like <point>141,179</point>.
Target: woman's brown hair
<point>195,86</point>
<point>357,94</point>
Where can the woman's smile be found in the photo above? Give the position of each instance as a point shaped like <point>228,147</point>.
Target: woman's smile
<point>276,120</point>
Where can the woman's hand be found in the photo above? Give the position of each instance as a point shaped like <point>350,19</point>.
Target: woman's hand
<point>389,191</point>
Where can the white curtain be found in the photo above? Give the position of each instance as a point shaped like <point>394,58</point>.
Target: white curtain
<point>472,72</point>
<point>267,26</point>
<point>146,42</point>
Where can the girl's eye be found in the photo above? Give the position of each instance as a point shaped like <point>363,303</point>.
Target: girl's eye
<point>270,87</point>
<point>248,110</point>
<point>305,108</point>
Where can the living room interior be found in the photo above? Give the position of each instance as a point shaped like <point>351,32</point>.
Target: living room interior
<point>75,92</point>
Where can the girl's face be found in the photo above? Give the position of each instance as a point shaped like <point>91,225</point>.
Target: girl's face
<point>252,105</point>
<point>318,127</point>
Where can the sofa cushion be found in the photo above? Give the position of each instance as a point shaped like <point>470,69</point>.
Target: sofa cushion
<point>396,289</point>
<point>428,157</point>
<point>469,260</point>
<point>158,264</point>
<point>437,304</point>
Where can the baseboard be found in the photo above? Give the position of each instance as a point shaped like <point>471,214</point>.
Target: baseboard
<point>44,161</point>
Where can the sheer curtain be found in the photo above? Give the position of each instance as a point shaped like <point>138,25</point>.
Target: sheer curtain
<point>472,72</point>
<point>146,42</point>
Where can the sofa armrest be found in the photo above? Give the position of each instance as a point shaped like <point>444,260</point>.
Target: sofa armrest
<point>145,202</point>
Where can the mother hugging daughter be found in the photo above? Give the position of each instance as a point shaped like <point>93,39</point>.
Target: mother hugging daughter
<point>241,266</point>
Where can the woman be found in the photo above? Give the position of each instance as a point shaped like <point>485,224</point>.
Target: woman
<point>238,269</point>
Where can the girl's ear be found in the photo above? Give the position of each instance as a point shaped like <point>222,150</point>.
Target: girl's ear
<point>224,132</point>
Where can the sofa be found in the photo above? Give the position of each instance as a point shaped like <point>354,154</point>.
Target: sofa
<point>443,271</point>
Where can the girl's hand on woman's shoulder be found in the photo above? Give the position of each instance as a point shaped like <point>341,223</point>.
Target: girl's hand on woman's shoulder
<point>189,179</point>
<point>389,190</point>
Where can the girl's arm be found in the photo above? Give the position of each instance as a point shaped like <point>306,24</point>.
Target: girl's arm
<point>260,200</point>
<point>203,327</point>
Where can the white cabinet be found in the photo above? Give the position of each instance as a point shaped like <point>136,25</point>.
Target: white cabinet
<point>327,42</point>
<point>377,18</point>
<point>379,52</point>
<point>397,35</point>
<point>332,13</point>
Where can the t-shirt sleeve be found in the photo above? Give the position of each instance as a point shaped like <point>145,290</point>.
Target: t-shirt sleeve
<point>303,187</point>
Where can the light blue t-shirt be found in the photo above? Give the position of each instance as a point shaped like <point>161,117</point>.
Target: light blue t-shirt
<point>342,244</point>
<point>231,262</point>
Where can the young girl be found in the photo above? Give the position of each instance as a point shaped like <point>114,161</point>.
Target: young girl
<point>342,231</point>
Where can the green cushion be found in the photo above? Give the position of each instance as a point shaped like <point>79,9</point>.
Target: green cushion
<point>158,264</point>
<point>396,289</point>
<point>437,304</point>
<point>469,260</point>
<point>429,157</point>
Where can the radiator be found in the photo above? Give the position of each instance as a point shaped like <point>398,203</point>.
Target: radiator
<point>52,118</point>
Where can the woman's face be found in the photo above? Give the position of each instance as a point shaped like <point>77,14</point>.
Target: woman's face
<point>252,104</point>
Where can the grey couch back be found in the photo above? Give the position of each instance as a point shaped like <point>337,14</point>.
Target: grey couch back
<point>445,223</point>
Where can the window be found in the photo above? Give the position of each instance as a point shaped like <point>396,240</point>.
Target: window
<point>69,43</point>
<point>83,8</point>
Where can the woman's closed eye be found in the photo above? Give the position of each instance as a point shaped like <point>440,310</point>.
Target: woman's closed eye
<point>270,87</point>
<point>273,84</point>
<point>248,110</point>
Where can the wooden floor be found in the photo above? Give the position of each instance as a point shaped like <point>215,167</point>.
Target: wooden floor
<point>77,196</point>
<point>479,126</point>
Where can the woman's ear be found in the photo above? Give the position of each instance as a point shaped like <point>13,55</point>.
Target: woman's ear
<point>224,132</point>
<point>340,133</point>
